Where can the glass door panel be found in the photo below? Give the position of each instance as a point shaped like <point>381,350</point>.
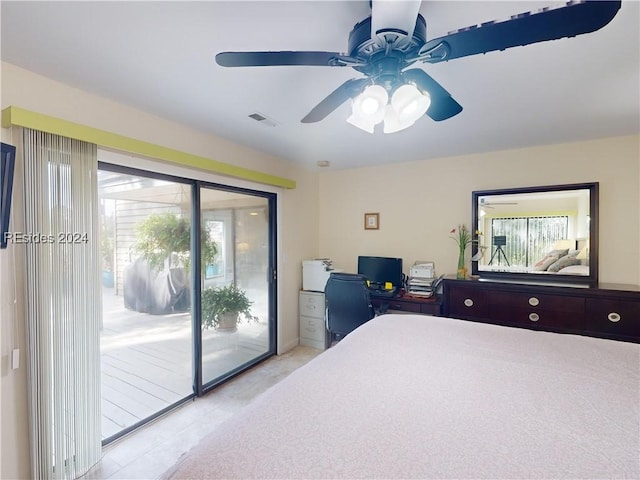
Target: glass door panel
<point>146,338</point>
<point>239,225</point>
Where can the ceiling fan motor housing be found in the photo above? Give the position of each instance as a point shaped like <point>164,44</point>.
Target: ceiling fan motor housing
<point>385,55</point>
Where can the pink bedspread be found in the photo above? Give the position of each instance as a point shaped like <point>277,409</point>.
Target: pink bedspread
<point>409,396</point>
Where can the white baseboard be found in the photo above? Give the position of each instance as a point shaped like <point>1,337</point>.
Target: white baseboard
<point>284,348</point>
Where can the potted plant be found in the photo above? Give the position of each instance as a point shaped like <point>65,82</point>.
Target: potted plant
<point>222,307</point>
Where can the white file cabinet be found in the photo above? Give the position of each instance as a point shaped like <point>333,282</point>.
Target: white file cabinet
<point>312,329</point>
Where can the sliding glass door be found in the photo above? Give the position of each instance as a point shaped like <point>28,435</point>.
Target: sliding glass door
<point>165,335</point>
<point>238,283</point>
<point>146,337</point>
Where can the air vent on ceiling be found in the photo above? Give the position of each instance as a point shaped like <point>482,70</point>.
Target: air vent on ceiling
<point>263,119</point>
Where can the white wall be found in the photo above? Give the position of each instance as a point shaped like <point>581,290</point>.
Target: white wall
<point>297,236</point>
<point>419,202</point>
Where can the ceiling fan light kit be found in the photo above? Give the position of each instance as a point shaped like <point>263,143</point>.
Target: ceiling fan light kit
<point>410,103</point>
<point>394,37</point>
<point>367,109</point>
<point>372,107</point>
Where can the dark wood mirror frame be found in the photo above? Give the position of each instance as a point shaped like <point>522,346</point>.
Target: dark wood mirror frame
<point>587,280</point>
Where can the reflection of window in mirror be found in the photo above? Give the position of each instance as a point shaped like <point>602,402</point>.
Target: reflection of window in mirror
<point>544,231</point>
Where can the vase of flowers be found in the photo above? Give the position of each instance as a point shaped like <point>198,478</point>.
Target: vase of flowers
<point>462,236</point>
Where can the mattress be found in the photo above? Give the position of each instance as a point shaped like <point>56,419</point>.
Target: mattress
<point>415,396</point>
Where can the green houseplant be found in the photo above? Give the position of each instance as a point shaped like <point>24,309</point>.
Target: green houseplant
<point>165,235</point>
<point>222,307</point>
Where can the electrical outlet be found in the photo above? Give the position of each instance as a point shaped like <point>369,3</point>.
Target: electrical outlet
<point>15,358</point>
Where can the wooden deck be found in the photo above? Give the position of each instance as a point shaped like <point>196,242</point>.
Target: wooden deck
<point>147,360</point>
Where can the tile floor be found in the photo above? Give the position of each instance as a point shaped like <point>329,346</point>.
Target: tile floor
<point>151,450</point>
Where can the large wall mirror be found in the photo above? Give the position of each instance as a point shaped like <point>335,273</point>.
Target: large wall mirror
<point>546,234</point>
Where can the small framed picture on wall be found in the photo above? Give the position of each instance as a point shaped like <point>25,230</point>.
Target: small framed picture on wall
<point>371,221</point>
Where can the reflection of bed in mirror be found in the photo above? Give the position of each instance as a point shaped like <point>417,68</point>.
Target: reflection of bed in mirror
<point>534,232</point>
<point>557,261</point>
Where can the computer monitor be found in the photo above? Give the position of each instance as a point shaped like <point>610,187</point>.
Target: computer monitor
<point>379,270</point>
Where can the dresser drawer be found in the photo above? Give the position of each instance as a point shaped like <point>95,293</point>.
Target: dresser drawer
<point>410,304</point>
<point>431,309</point>
<point>617,317</point>
<point>312,328</point>
<point>536,317</point>
<point>516,308</point>
<point>312,304</point>
<point>468,303</point>
<point>535,302</point>
<point>404,306</point>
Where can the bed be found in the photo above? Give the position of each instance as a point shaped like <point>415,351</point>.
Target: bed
<point>415,396</point>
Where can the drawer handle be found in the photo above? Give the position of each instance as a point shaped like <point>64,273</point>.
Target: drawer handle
<point>614,317</point>
<point>534,317</point>
<point>534,302</point>
<point>468,302</point>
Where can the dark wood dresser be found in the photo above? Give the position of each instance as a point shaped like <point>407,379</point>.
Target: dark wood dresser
<point>607,311</point>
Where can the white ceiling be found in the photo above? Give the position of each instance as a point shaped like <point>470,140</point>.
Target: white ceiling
<point>159,57</point>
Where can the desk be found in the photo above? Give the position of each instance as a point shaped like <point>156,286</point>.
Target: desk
<point>408,303</point>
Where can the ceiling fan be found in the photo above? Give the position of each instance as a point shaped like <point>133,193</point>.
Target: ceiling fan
<point>394,37</point>
<point>485,203</point>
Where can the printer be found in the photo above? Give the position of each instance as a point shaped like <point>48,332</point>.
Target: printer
<point>315,274</point>
<point>422,269</point>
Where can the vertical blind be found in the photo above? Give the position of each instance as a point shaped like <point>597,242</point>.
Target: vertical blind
<point>63,303</point>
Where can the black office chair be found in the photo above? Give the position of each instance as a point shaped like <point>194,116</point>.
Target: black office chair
<point>348,304</point>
